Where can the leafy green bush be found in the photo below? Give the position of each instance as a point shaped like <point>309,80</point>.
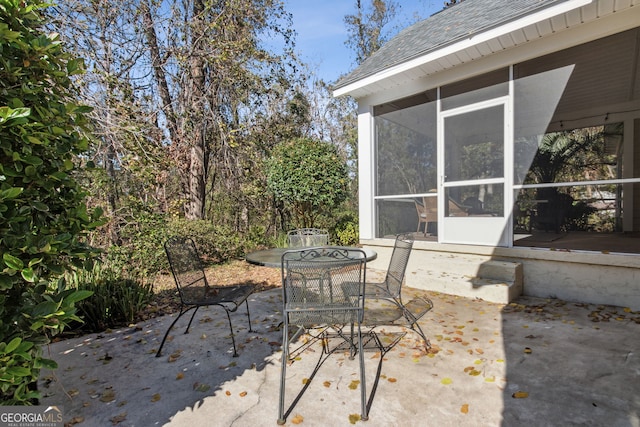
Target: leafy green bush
<point>140,253</point>
<point>348,234</point>
<point>43,213</point>
<point>216,243</point>
<point>309,177</point>
<point>115,300</point>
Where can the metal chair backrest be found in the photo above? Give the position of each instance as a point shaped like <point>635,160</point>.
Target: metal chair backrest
<point>308,237</point>
<point>323,285</point>
<point>187,269</point>
<point>398,264</point>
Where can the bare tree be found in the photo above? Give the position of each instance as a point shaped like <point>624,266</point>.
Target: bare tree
<point>365,28</point>
<point>191,83</point>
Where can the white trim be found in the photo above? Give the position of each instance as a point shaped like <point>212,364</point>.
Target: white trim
<point>472,41</point>
<point>366,171</point>
<point>495,231</point>
<point>453,184</point>
<point>405,196</point>
<point>578,183</point>
<point>627,168</point>
<point>509,161</point>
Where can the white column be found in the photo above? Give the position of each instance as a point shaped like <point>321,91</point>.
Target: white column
<point>366,170</point>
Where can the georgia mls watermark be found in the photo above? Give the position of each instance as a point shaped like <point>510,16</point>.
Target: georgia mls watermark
<point>31,416</point>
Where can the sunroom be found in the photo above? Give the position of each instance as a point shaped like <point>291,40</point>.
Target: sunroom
<point>507,132</point>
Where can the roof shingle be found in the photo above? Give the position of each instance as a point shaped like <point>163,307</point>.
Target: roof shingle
<point>444,28</point>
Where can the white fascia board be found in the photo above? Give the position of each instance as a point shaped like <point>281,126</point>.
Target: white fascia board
<point>464,44</point>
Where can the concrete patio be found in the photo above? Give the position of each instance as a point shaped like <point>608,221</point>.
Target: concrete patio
<point>534,362</point>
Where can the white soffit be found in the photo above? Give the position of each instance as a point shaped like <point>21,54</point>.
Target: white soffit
<point>533,26</point>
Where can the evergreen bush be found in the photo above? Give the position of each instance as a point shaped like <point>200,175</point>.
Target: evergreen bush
<point>43,214</point>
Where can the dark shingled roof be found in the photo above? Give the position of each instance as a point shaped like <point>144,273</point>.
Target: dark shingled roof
<point>444,28</point>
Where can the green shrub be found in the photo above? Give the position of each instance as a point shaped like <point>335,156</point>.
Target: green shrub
<point>348,234</point>
<point>257,237</point>
<point>140,253</point>
<point>43,212</point>
<point>346,231</point>
<point>216,243</point>
<point>115,301</point>
<point>309,177</point>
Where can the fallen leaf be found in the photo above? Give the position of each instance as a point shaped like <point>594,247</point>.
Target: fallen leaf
<point>243,394</point>
<point>354,384</point>
<point>305,380</point>
<point>527,350</point>
<point>180,376</point>
<point>465,408</point>
<point>155,397</point>
<point>446,381</point>
<point>118,418</point>
<point>520,395</point>
<point>228,393</point>
<point>392,380</point>
<point>297,419</point>
<point>327,384</point>
<point>201,387</point>
<point>354,418</point>
<point>108,396</point>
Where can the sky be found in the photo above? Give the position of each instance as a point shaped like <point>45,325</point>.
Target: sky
<point>321,31</point>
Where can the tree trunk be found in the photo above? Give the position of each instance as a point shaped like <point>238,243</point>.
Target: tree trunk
<point>195,107</point>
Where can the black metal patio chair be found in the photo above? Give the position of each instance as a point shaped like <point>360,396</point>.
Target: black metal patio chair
<point>383,300</point>
<point>322,297</point>
<point>308,237</point>
<point>194,289</point>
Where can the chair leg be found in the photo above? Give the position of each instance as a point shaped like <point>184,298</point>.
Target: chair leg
<point>416,327</point>
<point>364,415</point>
<point>283,370</point>
<point>171,327</point>
<point>191,320</point>
<point>248,315</point>
<point>233,339</point>
<point>352,346</point>
<point>413,320</point>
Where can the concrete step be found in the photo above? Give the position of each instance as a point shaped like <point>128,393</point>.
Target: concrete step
<point>495,281</point>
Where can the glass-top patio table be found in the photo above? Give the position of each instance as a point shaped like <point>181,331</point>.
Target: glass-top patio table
<point>273,257</point>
